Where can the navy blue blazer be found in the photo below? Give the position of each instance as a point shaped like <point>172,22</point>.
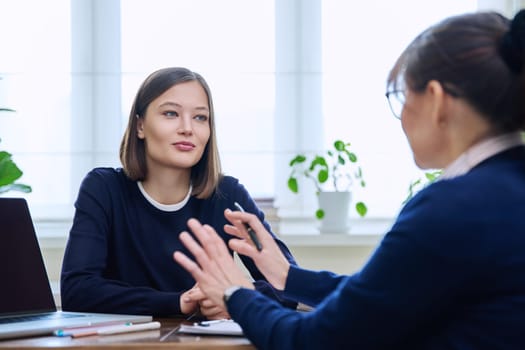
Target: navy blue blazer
<point>450,274</point>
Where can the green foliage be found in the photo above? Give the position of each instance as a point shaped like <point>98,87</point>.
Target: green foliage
<point>419,184</point>
<point>335,170</point>
<point>9,173</point>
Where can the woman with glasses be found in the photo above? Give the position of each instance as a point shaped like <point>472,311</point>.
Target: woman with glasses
<point>450,273</point>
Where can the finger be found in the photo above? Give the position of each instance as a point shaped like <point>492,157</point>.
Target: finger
<point>239,219</point>
<point>213,257</point>
<point>208,238</point>
<point>245,217</point>
<point>188,308</point>
<point>218,258</point>
<point>236,233</point>
<point>208,307</point>
<point>204,261</point>
<point>238,229</point>
<point>196,294</point>
<point>218,270</point>
<point>187,305</point>
<point>243,247</point>
<point>189,265</point>
<point>218,248</point>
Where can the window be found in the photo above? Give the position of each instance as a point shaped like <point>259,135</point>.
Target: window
<point>71,69</point>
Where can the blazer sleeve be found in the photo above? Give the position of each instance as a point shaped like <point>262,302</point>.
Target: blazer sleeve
<point>83,284</point>
<point>310,287</point>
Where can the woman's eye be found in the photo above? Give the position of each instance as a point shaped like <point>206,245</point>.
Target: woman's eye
<point>170,113</point>
<point>201,117</point>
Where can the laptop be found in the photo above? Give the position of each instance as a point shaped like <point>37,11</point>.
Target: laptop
<point>27,307</point>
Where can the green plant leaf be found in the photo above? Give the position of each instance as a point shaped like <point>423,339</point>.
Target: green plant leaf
<point>432,176</point>
<point>418,184</point>
<point>9,172</point>
<point>322,176</point>
<point>319,214</point>
<point>318,160</point>
<point>293,185</point>
<point>297,160</point>
<point>339,145</point>
<point>341,160</point>
<point>361,208</point>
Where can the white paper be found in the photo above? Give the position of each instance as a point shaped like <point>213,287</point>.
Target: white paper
<point>222,327</point>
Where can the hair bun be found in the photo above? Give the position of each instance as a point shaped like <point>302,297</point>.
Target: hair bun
<point>512,46</point>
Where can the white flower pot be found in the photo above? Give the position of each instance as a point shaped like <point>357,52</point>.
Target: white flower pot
<point>336,206</point>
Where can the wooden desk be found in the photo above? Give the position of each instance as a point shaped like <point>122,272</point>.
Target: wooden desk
<point>165,338</point>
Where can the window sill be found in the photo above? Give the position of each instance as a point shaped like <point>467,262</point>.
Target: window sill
<point>305,232</point>
<point>52,234</point>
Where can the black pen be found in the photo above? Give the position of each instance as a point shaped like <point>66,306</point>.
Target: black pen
<point>251,232</point>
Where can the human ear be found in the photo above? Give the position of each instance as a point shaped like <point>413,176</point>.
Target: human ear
<point>436,98</point>
<point>140,127</point>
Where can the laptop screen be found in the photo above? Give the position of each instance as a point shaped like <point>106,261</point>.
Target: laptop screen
<point>24,283</point>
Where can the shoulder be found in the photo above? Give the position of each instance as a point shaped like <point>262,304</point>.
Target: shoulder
<point>228,182</point>
<point>230,190</point>
<point>104,177</point>
<point>464,209</point>
<point>441,203</point>
<point>228,187</point>
<point>105,172</point>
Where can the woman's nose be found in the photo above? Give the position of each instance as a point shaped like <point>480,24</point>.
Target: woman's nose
<point>185,125</point>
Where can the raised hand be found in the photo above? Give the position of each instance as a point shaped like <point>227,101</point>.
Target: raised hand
<point>270,260</point>
<point>216,270</point>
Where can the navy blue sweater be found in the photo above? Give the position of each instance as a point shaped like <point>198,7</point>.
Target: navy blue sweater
<point>119,256</point>
<point>450,274</point>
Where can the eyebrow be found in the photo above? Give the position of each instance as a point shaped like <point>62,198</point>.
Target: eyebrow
<point>201,108</point>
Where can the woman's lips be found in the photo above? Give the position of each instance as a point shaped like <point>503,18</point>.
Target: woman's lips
<point>184,146</point>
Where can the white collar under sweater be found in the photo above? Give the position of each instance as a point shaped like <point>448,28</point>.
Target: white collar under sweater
<point>479,152</point>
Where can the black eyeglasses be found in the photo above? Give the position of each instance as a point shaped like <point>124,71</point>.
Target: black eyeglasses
<point>396,101</point>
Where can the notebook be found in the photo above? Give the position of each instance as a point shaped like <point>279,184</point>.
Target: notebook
<point>215,327</point>
<point>27,307</point>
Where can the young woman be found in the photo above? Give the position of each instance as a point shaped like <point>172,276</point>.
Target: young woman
<point>127,220</point>
<point>450,274</point>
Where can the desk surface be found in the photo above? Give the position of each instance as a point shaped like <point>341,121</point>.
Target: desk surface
<point>165,338</point>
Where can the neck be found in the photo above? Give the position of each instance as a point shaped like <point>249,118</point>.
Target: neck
<point>167,187</point>
<point>467,129</point>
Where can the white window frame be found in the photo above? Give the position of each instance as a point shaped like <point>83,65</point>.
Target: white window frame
<point>96,102</point>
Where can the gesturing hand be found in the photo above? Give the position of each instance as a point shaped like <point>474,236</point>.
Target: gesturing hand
<point>216,270</point>
<point>270,260</point>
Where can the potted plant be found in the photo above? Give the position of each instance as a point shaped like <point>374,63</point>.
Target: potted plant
<point>333,174</point>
